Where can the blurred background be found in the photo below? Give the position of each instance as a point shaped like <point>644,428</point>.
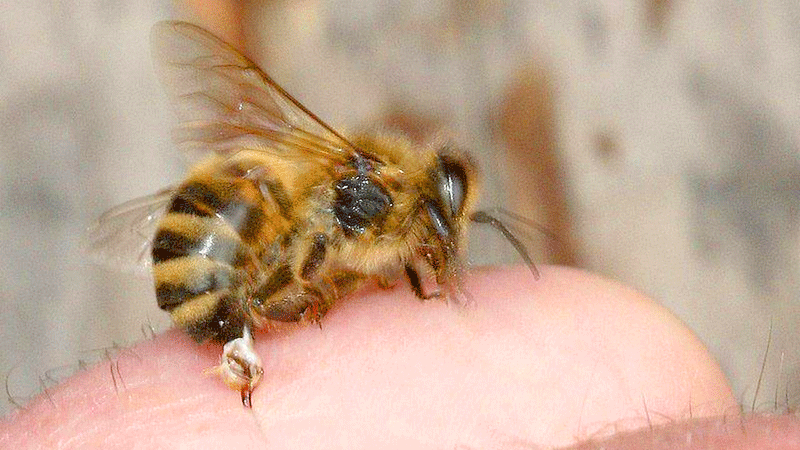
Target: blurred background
<point>658,139</point>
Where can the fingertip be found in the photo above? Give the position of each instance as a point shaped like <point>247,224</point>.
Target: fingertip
<point>546,361</point>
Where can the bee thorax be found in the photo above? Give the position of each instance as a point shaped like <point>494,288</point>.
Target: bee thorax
<point>359,203</point>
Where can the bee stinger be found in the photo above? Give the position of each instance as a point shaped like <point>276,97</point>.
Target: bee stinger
<point>284,216</point>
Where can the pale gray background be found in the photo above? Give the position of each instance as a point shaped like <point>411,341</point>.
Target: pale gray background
<point>697,206</point>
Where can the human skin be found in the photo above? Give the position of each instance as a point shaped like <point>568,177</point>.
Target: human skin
<point>527,364</point>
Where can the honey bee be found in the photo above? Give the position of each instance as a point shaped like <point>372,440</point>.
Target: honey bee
<point>284,216</point>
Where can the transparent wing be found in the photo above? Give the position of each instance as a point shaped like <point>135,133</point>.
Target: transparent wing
<point>122,237</point>
<point>225,103</point>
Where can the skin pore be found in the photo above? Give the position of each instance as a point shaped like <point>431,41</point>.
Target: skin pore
<point>528,364</point>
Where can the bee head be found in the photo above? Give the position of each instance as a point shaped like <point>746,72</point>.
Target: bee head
<point>456,182</point>
<point>453,195</point>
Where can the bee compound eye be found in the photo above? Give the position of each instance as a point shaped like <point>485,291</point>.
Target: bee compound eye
<point>452,186</point>
<point>438,220</point>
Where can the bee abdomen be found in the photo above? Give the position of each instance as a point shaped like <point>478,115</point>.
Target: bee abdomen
<point>182,280</point>
<point>224,322</point>
<point>215,316</point>
<point>182,235</point>
<point>200,253</point>
<point>202,296</point>
<point>238,204</point>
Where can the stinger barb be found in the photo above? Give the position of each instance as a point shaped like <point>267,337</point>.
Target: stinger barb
<point>483,217</point>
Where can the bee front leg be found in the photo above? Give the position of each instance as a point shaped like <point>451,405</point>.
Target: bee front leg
<point>240,366</point>
<point>416,284</point>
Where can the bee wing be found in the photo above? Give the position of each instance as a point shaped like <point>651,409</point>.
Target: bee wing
<point>122,236</point>
<point>225,103</point>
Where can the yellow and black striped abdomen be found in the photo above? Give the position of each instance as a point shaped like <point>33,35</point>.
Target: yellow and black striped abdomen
<point>214,231</point>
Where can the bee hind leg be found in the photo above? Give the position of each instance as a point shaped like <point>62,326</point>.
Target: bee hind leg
<point>332,287</point>
<point>240,366</point>
<point>315,309</point>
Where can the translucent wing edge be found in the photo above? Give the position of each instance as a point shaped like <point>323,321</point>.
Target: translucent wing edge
<point>121,237</point>
<point>209,78</point>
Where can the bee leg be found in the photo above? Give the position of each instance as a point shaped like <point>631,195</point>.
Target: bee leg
<point>389,279</point>
<point>331,288</point>
<point>240,366</point>
<point>313,313</point>
<point>320,300</point>
<point>384,283</point>
<point>416,284</point>
<point>312,261</point>
<point>291,303</point>
<point>315,256</point>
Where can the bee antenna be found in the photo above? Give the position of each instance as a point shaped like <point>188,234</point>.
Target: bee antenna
<point>483,217</point>
<point>528,222</point>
